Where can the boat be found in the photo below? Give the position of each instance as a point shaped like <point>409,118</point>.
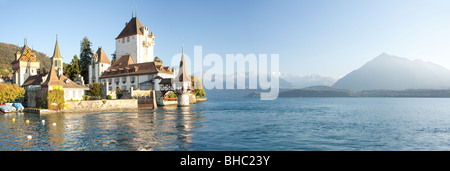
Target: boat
<point>18,106</point>
<point>10,105</point>
<point>5,109</point>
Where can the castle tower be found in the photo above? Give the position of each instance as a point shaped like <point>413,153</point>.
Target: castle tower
<point>25,64</point>
<point>183,83</point>
<point>99,63</point>
<point>135,40</point>
<point>57,60</point>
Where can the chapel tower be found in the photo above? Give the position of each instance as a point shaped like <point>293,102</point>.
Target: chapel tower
<point>57,60</point>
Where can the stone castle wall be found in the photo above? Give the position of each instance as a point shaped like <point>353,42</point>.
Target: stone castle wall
<point>100,105</point>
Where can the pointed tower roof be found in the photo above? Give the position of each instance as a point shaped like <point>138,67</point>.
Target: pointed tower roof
<point>56,53</point>
<point>102,58</point>
<point>52,78</point>
<point>133,27</point>
<point>183,76</point>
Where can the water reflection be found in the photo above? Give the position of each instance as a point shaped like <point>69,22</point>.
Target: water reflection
<point>167,128</point>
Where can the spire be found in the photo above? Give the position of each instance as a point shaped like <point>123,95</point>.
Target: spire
<point>56,53</point>
<point>183,76</point>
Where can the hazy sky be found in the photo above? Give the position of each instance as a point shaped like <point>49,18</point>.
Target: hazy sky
<point>326,37</point>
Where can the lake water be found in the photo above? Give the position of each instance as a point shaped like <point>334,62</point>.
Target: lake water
<point>290,124</point>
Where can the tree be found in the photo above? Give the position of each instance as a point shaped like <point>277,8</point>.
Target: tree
<point>10,92</point>
<point>114,59</point>
<point>95,89</point>
<point>85,57</point>
<point>199,92</point>
<point>156,59</point>
<point>73,69</point>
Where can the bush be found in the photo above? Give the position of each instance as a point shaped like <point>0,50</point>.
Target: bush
<point>108,97</point>
<point>119,95</point>
<point>172,95</point>
<point>55,99</point>
<point>199,92</point>
<point>95,89</point>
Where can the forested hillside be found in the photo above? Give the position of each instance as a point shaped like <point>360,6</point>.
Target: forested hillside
<point>7,52</point>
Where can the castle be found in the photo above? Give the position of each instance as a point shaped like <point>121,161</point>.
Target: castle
<point>135,67</point>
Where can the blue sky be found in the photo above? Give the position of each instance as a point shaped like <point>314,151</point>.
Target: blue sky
<point>325,37</point>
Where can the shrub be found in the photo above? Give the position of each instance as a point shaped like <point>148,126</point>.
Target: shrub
<point>55,99</point>
<point>199,92</point>
<point>119,95</point>
<point>95,90</point>
<point>108,97</point>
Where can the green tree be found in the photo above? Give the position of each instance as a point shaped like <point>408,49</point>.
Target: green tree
<point>156,59</point>
<point>85,57</point>
<point>114,59</point>
<point>10,92</point>
<point>73,69</point>
<point>95,89</point>
<point>199,92</point>
<point>55,99</point>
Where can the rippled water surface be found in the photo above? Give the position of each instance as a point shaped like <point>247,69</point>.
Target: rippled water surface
<point>242,124</point>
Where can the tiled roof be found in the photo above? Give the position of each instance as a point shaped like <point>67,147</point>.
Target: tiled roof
<point>125,66</point>
<point>52,78</point>
<point>102,58</point>
<point>133,27</point>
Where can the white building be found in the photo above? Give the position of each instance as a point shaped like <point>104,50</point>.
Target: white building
<point>25,64</point>
<point>135,66</point>
<point>99,64</point>
<point>124,73</point>
<point>136,41</point>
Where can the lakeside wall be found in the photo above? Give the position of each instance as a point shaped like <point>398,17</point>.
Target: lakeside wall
<point>100,105</point>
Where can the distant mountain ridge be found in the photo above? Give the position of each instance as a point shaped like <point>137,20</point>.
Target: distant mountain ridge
<point>387,72</point>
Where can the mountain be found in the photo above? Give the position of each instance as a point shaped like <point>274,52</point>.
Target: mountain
<point>298,81</point>
<point>387,72</point>
<point>313,91</point>
<point>7,52</point>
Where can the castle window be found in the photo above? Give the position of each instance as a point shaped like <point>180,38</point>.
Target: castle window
<point>123,40</point>
<point>128,39</point>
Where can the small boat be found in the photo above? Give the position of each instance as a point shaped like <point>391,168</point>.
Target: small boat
<point>10,105</point>
<point>5,109</point>
<point>18,106</point>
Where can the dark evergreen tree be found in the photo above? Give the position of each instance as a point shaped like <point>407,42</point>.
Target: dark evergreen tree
<point>73,69</point>
<point>114,59</point>
<point>85,57</point>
